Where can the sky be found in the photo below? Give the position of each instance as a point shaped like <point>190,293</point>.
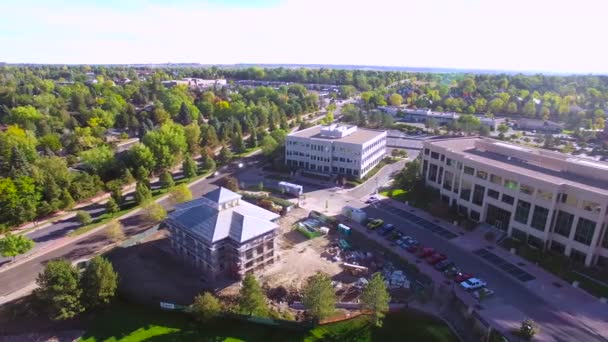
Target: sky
<point>524,35</point>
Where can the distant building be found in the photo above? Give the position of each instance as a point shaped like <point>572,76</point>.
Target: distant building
<point>544,126</point>
<point>335,149</point>
<point>196,83</point>
<point>422,115</point>
<point>545,199</point>
<point>220,234</point>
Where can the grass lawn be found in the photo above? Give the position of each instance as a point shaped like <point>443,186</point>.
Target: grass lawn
<point>126,322</point>
<point>396,194</point>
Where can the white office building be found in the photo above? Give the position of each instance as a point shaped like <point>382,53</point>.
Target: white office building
<point>546,199</point>
<point>336,149</point>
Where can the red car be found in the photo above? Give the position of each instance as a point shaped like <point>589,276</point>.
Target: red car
<point>460,277</point>
<point>426,251</point>
<point>436,258</point>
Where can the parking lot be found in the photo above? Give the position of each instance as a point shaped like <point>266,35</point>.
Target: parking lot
<point>504,265</point>
<point>419,221</point>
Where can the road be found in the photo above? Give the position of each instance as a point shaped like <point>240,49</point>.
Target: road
<point>24,274</point>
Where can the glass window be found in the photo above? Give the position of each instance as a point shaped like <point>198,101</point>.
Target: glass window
<point>448,162</point>
<point>475,215</point>
<point>526,189</point>
<point>434,155</point>
<point>493,193</point>
<point>465,191</point>
<point>605,240</point>
<point>482,174</point>
<point>563,224</point>
<point>522,212</point>
<point>539,218</point>
<point>535,242</point>
<point>427,151</point>
<point>591,206</point>
<point>584,231</point>
<point>447,180</point>
<point>442,158</point>
<point>496,179</point>
<point>469,170</point>
<point>478,194</point>
<point>459,165</point>
<point>433,172</point>
<point>546,195</point>
<point>510,184</point>
<point>519,234</point>
<point>508,199</point>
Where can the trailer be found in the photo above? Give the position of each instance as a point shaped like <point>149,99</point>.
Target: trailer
<point>290,188</point>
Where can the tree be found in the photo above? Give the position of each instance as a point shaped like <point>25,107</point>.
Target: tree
<point>112,207</point>
<point>166,180</point>
<point>376,298</point>
<point>319,297</point>
<point>189,167</point>
<point>142,193</point>
<point>140,155</point>
<point>154,212</point>
<point>528,329</point>
<point>83,217</point>
<point>13,245</point>
<point>269,145</point>
<point>502,128</point>
<point>252,300</point>
<point>180,194</point>
<point>230,183</point>
<point>225,155</point>
<point>484,130</point>
<point>184,116</point>
<point>395,99</point>
<point>98,283</point>
<point>253,138</point>
<point>469,123</point>
<point>168,143</point>
<point>208,163</point>
<point>114,231</point>
<point>409,175</point>
<point>237,142</point>
<point>67,200</point>
<point>193,137</point>
<point>59,290</point>
<point>206,307</point>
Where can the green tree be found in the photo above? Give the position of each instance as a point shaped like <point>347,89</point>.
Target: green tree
<point>409,175</point>
<point>395,99</point>
<point>67,200</point>
<point>230,183</point>
<point>180,194</point>
<point>269,145</point>
<point>319,297</point>
<point>83,217</point>
<point>154,212</point>
<point>184,116</point>
<point>142,175</point>
<point>502,128</point>
<point>206,307</point>
<point>469,123</point>
<point>253,138</point>
<point>528,329</point>
<point>484,130</point>
<point>13,245</point>
<point>114,231</point>
<point>225,155</point>
<point>140,156</point>
<point>209,137</point>
<point>142,193</point>
<point>59,290</point>
<point>189,167</point>
<point>193,137</point>
<point>208,163</point>
<point>112,207</point>
<point>375,298</point>
<point>98,283</point>
<point>252,300</point>
<point>168,144</point>
<point>166,180</point>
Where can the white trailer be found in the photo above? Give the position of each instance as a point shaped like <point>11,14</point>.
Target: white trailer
<point>291,188</point>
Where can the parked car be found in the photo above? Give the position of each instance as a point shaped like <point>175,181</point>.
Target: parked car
<point>372,199</point>
<point>473,284</point>
<point>375,224</point>
<point>460,277</point>
<point>412,249</point>
<point>482,293</point>
<point>444,264</point>
<point>395,236</point>
<point>451,271</point>
<point>387,228</point>
<point>425,252</point>
<point>435,258</point>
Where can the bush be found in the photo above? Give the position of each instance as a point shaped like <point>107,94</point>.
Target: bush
<point>83,217</point>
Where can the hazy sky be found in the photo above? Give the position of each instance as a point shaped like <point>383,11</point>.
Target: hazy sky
<point>546,35</point>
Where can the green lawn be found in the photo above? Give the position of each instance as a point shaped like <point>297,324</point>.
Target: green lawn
<point>125,322</point>
<point>396,194</point>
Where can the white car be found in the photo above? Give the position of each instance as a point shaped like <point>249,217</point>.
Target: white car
<point>482,293</point>
<point>473,284</point>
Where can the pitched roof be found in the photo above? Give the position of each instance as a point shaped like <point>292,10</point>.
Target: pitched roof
<point>240,221</point>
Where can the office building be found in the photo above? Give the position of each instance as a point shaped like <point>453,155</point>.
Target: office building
<point>547,199</point>
<point>335,149</point>
<point>220,234</point>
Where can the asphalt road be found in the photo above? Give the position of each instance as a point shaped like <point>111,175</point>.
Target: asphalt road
<point>18,277</point>
<point>511,291</point>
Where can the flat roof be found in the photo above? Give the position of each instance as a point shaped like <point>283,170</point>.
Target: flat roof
<point>360,136</point>
<point>467,148</point>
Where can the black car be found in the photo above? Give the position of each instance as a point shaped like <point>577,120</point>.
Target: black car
<point>442,265</point>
